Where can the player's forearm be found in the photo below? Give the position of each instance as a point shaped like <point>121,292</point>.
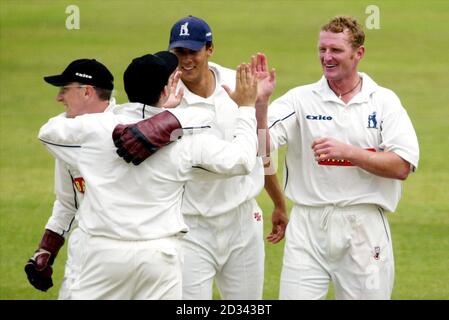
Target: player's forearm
<point>274,190</point>
<point>262,112</point>
<point>192,117</point>
<point>61,220</point>
<point>231,158</point>
<point>245,140</point>
<point>263,134</point>
<point>383,164</point>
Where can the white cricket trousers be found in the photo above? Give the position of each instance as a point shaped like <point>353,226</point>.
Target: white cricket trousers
<point>229,248</point>
<point>100,268</point>
<point>350,246</point>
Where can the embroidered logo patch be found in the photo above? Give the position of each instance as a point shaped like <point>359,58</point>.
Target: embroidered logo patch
<point>372,121</point>
<point>79,184</point>
<point>257,216</point>
<point>83,75</point>
<point>184,30</point>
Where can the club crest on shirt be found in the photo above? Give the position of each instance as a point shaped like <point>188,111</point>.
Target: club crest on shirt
<point>79,184</point>
<point>372,121</point>
<point>257,216</point>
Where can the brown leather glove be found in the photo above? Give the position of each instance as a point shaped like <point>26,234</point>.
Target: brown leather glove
<point>136,142</point>
<point>38,267</point>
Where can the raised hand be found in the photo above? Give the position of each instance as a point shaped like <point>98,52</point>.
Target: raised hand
<point>174,95</point>
<point>266,80</point>
<point>246,86</point>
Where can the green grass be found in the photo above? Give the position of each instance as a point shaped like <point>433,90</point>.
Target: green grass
<point>407,54</point>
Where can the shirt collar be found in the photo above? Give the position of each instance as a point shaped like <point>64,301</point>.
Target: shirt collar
<point>368,87</point>
<point>112,104</point>
<point>192,98</point>
<point>136,110</point>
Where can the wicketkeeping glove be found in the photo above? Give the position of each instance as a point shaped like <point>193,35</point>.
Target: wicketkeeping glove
<point>136,142</point>
<point>38,267</point>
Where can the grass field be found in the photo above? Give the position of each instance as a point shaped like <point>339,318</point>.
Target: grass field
<point>407,54</point>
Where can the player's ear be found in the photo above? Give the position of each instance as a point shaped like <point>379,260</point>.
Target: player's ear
<point>89,91</point>
<point>209,49</point>
<point>165,93</point>
<point>360,52</point>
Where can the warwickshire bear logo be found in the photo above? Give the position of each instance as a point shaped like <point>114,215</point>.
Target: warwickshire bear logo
<point>372,121</point>
<point>184,30</point>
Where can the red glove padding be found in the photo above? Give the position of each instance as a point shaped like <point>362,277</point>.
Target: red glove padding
<point>38,267</point>
<point>136,142</point>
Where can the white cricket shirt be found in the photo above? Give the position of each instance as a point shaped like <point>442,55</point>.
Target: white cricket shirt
<point>128,202</point>
<point>69,190</point>
<point>373,119</point>
<point>213,198</point>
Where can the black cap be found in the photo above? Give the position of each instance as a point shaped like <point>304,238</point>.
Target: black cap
<point>146,76</point>
<point>85,71</point>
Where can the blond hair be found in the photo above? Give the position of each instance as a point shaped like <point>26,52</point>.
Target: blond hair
<point>341,24</point>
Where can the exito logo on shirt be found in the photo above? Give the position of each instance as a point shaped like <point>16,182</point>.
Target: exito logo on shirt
<point>319,117</point>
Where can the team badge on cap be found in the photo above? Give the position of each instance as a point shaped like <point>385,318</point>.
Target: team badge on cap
<point>184,30</point>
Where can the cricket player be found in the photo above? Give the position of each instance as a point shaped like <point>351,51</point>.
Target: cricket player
<point>225,241</point>
<point>85,84</point>
<point>130,230</point>
<point>350,143</point>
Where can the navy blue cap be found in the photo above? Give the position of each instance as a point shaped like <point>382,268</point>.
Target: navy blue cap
<point>191,33</point>
<point>85,71</point>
